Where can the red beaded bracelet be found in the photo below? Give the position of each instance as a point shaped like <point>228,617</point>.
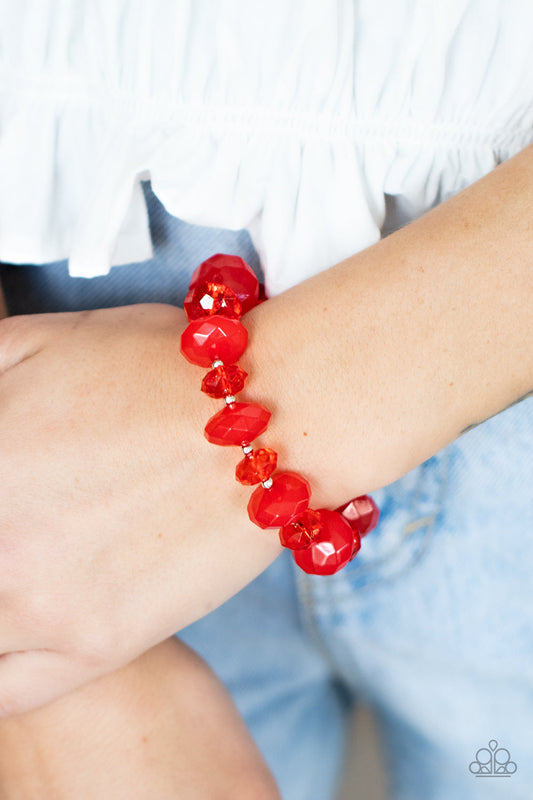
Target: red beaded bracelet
<point>221,290</point>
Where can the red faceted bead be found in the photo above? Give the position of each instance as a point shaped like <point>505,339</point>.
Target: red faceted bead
<point>224,380</point>
<point>257,466</point>
<point>232,271</point>
<point>362,513</point>
<point>205,340</point>
<point>237,424</point>
<point>287,497</point>
<point>302,530</point>
<point>262,294</point>
<point>333,548</point>
<point>207,298</point>
<point>356,543</point>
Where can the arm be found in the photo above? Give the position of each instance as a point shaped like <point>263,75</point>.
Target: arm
<point>379,362</point>
<point>166,708</point>
<point>161,727</point>
<point>369,369</point>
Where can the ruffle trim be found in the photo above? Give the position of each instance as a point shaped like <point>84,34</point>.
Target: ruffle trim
<point>307,202</point>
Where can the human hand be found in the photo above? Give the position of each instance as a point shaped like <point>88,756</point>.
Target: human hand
<point>119,523</point>
<point>161,727</point>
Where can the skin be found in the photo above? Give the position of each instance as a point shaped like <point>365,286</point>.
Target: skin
<point>166,708</point>
<point>112,502</point>
<point>161,727</point>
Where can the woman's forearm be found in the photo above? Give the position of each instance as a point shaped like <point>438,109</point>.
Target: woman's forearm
<point>368,368</point>
<point>161,727</point>
<point>376,364</point>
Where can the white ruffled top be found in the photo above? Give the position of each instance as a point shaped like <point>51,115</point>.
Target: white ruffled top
<point>315,125</point>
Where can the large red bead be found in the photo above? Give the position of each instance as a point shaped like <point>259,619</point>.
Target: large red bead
<point>233,272</point>
<point>224,380</point>
<point>237,424</point>
<point>302,530</point>
<point>207,298</point>
<point>362,513</point>
<point>205,340</point>
<point>257,466</point>
<point>288,496</point>
<point>331,550</point>
<point>356,543</point>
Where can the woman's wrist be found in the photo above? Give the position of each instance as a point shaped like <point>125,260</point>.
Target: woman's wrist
<point>376,364</point>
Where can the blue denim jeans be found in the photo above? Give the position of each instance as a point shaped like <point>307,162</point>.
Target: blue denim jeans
<point>431,624</point>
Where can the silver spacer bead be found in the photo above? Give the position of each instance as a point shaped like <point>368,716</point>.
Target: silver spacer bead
<point>217,363</point>
<point>267,484</point>
<point>230,398</point>
<point>247,448</point>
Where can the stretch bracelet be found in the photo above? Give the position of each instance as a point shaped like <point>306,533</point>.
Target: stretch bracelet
<point>322,541</point>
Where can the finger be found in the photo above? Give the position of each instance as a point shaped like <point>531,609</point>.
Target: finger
<point>32,678</point>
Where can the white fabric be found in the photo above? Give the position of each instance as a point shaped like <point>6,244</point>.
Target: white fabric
<point>293,119</point>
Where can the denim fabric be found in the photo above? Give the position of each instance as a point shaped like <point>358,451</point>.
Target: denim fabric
<point>432,623</point>
<point>178,249</point>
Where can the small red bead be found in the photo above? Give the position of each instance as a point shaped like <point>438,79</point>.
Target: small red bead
<point>362,513</point>
<point>257,466</point>
<point>302,530</point>
<point>232,271</point>
<point>224,380</point>
<point>288,496</point>
<point>237,424</point>
<point>205,340</point>
<point>207,298</point>
<point>333,548</point>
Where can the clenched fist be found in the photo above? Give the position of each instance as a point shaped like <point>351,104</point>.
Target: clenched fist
<point>119,523</point>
